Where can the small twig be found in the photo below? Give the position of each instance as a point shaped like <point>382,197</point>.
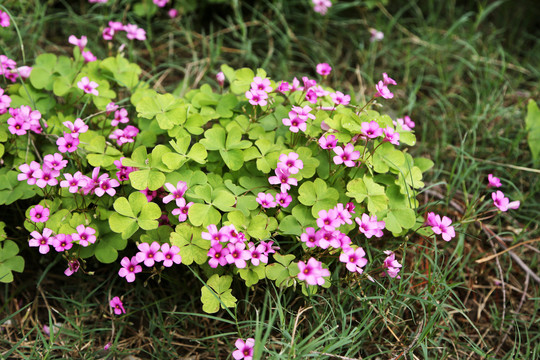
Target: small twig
<point>415,340</point>
<point>490,257</point>
<point>296,325</point>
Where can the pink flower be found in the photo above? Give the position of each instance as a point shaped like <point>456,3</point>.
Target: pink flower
<point>39,214</point>
<point>324,69</point>
<point>355,259</point>
<point>388,80</point>
<point>376,35</point>
<point>321,6</point>
<point>283,199</point>
<point>296,85</point>
<point>55,162</point>
<point>88,56</point>
<point>369,226</point>
<point>134,32</point>
<point>7,64</point>
<point>5,101</point>
<point>182,210</point>
<point>502,202</point>
<point>350,207</point>
<point>81,43</point>
<point>4,19</point>
<point>220,77</point>
<point>218,255</point>
<point>68,143</point>
<point>406,123</point>
<point>340,99</point>
<point>494,181</point>
<point>120,116</point>
<point>18,126</point>
<point>111,107</point>
<point>161,3</point>
<point>116,25</point>
<point>283,87</point>
<point>266,200</point>
<point>311,96</point>
<point>290,162</point>
<point>261,84</point>
<point>371,129</point>
<point>28,172</point>
<point>270,249</point>
<point>346,156</point>
<point>78,127</point>
<point>89,87</point>
<point>169,255</point>
<point>443,227</point>
<point>46,176</point>
<point>73,181</point>
<point>310,237</point>
<point>312,272</point>
<point>73,267</point>
<point>172,13</point>
<point>282,178</point>
<point>328,237</point>
<point>328,142</point>
<point>117,305</point>
<point>176,192</point>
<point>391,265</point>
<point>106,185</point>
<point>129,268</point>
<point>257,97</point>
<point>124,171</point>
<point>342,214</point>
<point>85,235</point>
<point>62,242</point>
<point>258,254</point>
<point>431,219</point>
<point>328,220</point>
<point>41,240</point>
<point>383,91</point>
<point>107,345</point>
<point>108,33</point>
<point>390,135</point>
<point>295,123</point>
<point>215,236</point>
<point>244,350</point>
<point>238,255</point>
<point>148,253</point>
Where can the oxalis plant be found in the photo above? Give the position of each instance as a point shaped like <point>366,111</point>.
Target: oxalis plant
<point>285,180</point>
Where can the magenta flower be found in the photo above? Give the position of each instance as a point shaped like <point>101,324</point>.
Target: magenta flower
<point>328,237</point>
<point>346,156</point>
<point>18,126</point>
<point>117,305</point>
<point>324,69</point>
<point>88,56</point>
<point>85,235</point>
<point>6,67</point>
<point>116,25</point>
<point>41,240</point>
<point>383,91</point>
<point>218,255</point>
<point>130,267</point>
<point>169,255</point>
<point>261,84</point>
<point>23,119</point>
<point>177,192</point>
<point>355,259</point>
<point>73,267</point>
<point>111,107</point>
<point>391,265</point>
<point>108,33</point>
<point>120,116</point>
<point>321,6</point>
<point>62,242</point>
<point>312,272</point>
<point>5,101</point>
<point>238,255</point>
<point>89,87</point>
<point>78,127</point>
<point>91,182</point>
<point>290,162</point>
<point>310,237</point>
<point>350,207</point>
<point>81,43</point>
<point>215,236</point>
<point>106,185</point>
<point>345,241</point>
<point>328,220</point>
<point>431,219</point>
<point>369,226</point>
<point>28,172</point>
<point>502,202</point>
<point>46,176</point>
<point>244,350</point>
<point>148,253</point>
<point>371,129</point>
<point>328,142</point>
<point>161,3</point>
<point>134,32</point>
<point>182,210</point>
<point>340,99</point>
<point>282,178</point>
<point>258,254</point>
<point>55,162</point>
<point>312,96</point>
<point>342,215</point>
<point>68,143</point>
<point>220,77</point>
<point>388,80</point>
<point>296,85</point>
<point>376,35</point>
<point>494,181</point>
<point>406,123</point>
<point>257,97</point>
<point>266,200</point>
<point>283,199</point>
<point>294,123</point>
<point>442,226</point>
<point>391,136</point>
<point>283,87</point>
<point>233,235</point>
<point>73,181</point>
<point>172,13</point>
<point>4,19</point>
<point>270,248</point>
<point>39,214</point>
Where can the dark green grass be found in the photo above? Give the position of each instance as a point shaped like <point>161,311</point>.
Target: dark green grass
<point>465,72</point>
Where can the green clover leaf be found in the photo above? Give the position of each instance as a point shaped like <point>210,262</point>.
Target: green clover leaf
<point>217,292</point>
<point>9,261</point>
<point>133,214</point>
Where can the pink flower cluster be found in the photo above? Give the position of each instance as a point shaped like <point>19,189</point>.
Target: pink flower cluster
<point>81,44</point>
<point>499,200</point>
<point>312,272</point>
<point>228,246</point>
<point>382,87</point>
<point>8,68</point>
<point>321,6</point>
<point>133,32</point>
<point>405,123</point>
<point>391,265</point>
<point>258,94</point>
<point>177,194</point>
<point>5,101</point>
<point>441,226</point>
<point>298,117</point>
<point>149,255</point>
<point>369,226</point>
<point>287,165</point>
<point>123,171</point>
<point>24,119</point>
<point>123,136</point>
